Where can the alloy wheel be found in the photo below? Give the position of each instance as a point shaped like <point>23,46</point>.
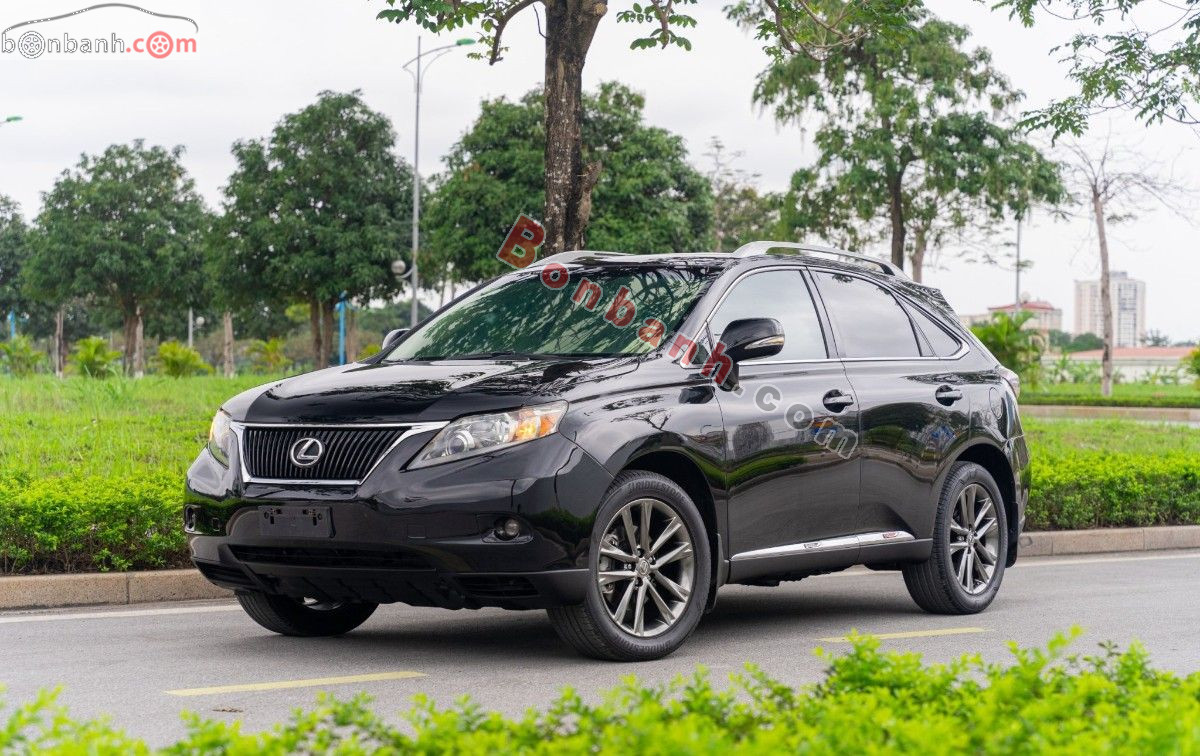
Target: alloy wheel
<point>974,539</point>
<point>647,567</point>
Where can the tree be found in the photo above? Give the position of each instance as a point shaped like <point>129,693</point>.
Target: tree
<point>1138,55</point>
<point>740,212</point>
<point>818,29</point>
<point>122,229</point>
<point>313,213</point>
<point>906,131</point>
<point>1156,338</point>
<point>14,250</point>
<point>651,200</point>
<point>1114,183</point>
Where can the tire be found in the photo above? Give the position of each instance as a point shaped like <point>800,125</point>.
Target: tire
<point>592,627</point>
<point>291,616</point>
<point>939,584</point>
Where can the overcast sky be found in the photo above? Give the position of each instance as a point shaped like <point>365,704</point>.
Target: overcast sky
<point>256,61</point>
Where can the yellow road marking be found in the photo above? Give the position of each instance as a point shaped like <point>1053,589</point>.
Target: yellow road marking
<point>913,634</point>
<point>315,682</point>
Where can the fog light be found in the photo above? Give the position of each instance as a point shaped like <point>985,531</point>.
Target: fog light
<point>508,529</point>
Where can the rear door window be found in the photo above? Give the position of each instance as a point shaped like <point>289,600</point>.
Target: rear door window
<point>869,321</point>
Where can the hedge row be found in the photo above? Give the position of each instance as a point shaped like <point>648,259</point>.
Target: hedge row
<point>120,523</point>
<point>1093,400</point>
<point>869,702</point>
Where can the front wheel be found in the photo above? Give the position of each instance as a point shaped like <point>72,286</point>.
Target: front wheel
<point>303,617</point>
<point>970,541</point>
<point>651,569</point>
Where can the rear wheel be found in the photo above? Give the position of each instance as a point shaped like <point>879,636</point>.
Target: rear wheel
<point>970,541</point>
<point>650,569</point>
<point>303,617</point>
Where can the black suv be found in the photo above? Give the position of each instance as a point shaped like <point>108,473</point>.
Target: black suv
<point>612,438</point>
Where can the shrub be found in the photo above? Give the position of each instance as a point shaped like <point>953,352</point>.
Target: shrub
<point>868,702</point>
<point>269,356</point>
<point>93,358</point>
<point>19,357</point>
<point>1191,363</point>
<point>179,361</point>
<point>1017,348</point>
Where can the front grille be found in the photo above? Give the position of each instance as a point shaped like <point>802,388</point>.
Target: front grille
<point>302,557</point>
<point>346,453</point>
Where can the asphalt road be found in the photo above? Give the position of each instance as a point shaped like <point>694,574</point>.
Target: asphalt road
<point>132,663</point>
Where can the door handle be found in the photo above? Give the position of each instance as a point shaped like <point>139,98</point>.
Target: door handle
<point>836,401</point>
<point>947,395</point>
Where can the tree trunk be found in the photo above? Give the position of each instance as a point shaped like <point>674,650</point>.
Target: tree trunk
<point>329,328</point>
<point>896,213</point>
<point>227,344</point>
<point>1106,309</point>
<point>129,330</point>
<point>570,27</point>
<point>59,346</point>
<point>918,254</point>
<point>318,344</point>
<point>139,346</point>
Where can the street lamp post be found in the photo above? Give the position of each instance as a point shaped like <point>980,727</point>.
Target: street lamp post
<point>418,77</point>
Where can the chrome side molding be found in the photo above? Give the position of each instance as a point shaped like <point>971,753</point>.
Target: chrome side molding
<point>829,544</point>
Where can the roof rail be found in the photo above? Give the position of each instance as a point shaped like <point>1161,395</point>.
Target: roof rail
<point>755,248</point>
<point>572,256</point>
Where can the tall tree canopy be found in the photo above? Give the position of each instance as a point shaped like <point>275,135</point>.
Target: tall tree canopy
<point>14,249</point>
<point>906,130</point>
<point>650,199</point>
<point>1140,55</point>
<point>316,211</point>
<point>121,229</point>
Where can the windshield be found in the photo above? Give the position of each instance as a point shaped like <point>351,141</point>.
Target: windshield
<point>596,311</point>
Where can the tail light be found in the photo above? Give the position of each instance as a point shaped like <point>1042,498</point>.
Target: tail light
<point>1012,379</point>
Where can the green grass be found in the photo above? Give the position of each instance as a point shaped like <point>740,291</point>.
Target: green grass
<point>1124,395</point>
<point>123,427</point>
<point>1059,437</point>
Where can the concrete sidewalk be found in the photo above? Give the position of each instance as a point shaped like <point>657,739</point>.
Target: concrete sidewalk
<point>116,588</point>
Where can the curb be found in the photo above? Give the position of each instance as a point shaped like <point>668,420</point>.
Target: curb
<point>1108,540</point>
<point>105,588</point>
<point>118,588</point>
<point>1092,412</point>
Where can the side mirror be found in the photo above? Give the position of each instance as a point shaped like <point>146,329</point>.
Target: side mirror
<point>393,337</point>
<point>752,338</point>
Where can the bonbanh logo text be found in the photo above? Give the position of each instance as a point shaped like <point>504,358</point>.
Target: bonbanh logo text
<point>61,35</point>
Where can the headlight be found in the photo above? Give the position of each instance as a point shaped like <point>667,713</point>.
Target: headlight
<point>480,434</point>
<point>220,438</point>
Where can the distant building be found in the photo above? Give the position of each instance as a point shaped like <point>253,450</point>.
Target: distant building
<point>1046,317</point>
<point>1135,363</point>
<point>1128,306</point>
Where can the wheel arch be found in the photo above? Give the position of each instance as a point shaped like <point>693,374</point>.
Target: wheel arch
<point>681,469</point>
<point>994,460</point>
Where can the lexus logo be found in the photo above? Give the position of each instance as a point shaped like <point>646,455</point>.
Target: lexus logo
<point>306,452</point>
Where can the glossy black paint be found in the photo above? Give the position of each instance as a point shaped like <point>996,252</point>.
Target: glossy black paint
<point>795,453</point>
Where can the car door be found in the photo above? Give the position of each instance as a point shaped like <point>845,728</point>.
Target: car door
<point>791,462</point>
<point>913,403</point>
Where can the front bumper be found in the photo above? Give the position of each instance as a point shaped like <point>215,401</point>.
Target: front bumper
<point>423,537</point>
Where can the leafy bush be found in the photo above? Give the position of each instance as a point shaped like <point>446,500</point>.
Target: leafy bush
<point>370,350</point>
<point>19,357</point>
<point>269,356</point>
<point>1191,363</point>
<point>1017,348</point>
<point>179,361</point>
<point>869,701</point>
<point>93,358</point>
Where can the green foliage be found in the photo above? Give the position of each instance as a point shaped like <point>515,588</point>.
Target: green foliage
<point>1191,363</point>
<point>909,130</point>
<point>1080,342</point>
<point>19,357</point>
<point>124,227</point>
<point>869,701</point>
<point>370,350</point>
<point>269,356</point>
<point>14,250</point>
<point>1124,394</point>
<point>648,199</point>
<point>177,360</point>
<point>818,29</point>
<point>1125,54</point>
<point>1017,348</point>
<point>741,213</point>
<point>1067,370</point>
<point>94,359</point>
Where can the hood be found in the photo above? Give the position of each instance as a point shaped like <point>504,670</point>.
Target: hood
<point>419,391</point>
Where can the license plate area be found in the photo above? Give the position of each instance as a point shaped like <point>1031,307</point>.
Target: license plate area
<point>295,521</point>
